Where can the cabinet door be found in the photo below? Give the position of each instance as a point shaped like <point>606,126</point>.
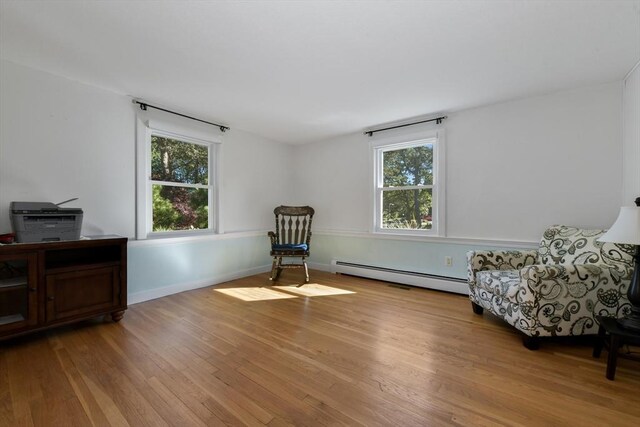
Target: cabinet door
<point>81,292</point>
<point>18,292</point>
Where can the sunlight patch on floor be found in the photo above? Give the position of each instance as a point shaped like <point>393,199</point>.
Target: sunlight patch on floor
<point>314,290</point>
<point>282,292</point>
<point>254,294</point>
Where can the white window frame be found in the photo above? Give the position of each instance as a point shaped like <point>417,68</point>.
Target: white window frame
<point>144,196</point>
<point>379,147</point>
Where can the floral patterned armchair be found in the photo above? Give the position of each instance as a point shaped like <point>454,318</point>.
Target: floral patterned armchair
<point>556,290</point>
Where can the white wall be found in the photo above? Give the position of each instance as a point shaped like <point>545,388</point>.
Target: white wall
<point>512,168</point>
<point>332,176</point>
<point>516,168</point>
<point>257,177</point>
<point>631,137</point>
<point>61,139</point>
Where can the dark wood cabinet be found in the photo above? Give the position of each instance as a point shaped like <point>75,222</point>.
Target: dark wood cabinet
<point>43,285</point>
<point>68,294</point>
<point>18,292</point>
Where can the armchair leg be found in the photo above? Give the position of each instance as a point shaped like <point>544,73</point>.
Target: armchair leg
<point>476,308</point>
<point>602,334</point>
<point>531,343</point>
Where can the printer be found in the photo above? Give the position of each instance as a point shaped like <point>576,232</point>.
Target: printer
<point>44,222</point>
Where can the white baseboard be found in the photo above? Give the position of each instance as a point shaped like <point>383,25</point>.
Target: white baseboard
<point>181,287</point>
<point>440,284</point>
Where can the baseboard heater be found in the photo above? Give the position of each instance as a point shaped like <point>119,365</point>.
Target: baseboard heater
<point>413,278</point>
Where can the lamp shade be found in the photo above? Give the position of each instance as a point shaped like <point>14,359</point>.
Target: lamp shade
<point>626,229</point>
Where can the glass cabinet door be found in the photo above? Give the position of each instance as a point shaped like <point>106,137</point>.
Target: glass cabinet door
<point>18,304</point>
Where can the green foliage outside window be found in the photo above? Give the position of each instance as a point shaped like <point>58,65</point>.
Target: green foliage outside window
<point>178,207</point>
<point>177,161</point>
<point>408,208</point>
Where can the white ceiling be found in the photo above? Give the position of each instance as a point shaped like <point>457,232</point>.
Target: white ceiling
<point>299,72</point>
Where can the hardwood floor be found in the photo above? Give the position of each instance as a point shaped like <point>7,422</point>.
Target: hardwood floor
<point>381,355</point>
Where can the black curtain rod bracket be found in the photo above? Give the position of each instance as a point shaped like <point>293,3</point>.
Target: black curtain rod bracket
<point>144,106</point>
<point>438,120</point>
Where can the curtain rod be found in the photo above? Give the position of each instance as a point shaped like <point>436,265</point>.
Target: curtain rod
<point>438,120</point>
<point>144,106</point>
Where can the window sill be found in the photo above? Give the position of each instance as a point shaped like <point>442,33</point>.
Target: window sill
<point>406,233</point>
<point>178,234</point>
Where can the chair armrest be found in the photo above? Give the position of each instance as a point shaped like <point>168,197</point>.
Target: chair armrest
<point>272,237</point>
<point>498,260</point>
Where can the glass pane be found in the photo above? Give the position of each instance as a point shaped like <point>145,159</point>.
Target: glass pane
<point>407,209</point>
<point>180,208</point>
<point>408,166</point>
<point>14,292</point>
<point>179,161</point>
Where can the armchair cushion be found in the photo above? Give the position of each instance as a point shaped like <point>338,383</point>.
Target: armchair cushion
<point>503,284</point>
<point>478,261</point>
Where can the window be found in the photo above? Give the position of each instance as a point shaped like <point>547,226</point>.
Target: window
<point>409,186</point>
<point>178,186</point>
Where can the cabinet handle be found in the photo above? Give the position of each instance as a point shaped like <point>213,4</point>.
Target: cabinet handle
<point>50,298</point>
<point>32,289</point>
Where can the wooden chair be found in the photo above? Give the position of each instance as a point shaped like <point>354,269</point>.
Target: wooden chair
<point>291,238</point>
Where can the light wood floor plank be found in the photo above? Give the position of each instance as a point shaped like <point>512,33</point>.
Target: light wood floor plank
<point>379,356</point>
<point>89,404</point>
<point>6,403</point>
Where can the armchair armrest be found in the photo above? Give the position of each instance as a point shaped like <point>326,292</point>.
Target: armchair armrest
<point>570,281</point>
<point>565,299</point>
<point>498,260</point>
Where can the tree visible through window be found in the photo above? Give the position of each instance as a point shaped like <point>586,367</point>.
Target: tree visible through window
<point>407,192</point>
<point>406,186</point>
<point>179,184</point>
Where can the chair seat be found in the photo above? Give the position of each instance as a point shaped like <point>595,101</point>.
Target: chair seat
<point>290,247</point>
<point>501,283</point>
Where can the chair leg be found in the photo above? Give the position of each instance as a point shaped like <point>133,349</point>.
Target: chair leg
<point>614,345</point>
<point>275,268</point>
<point>306,271</point>
<point>597,347</point>
<point>531,343</point>
<point>476,308</point>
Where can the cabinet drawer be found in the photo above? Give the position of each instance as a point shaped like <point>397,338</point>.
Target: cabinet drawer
<point>81,292</point>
